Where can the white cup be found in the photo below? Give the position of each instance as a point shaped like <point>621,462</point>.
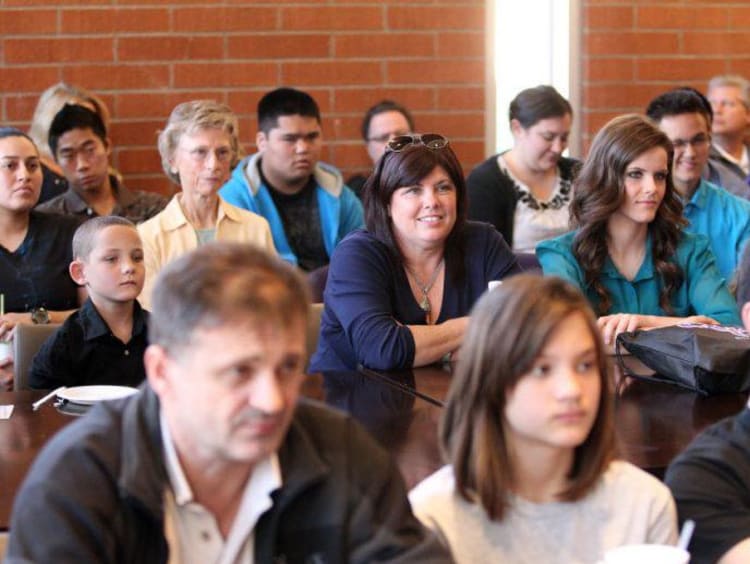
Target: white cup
<point>492,284</point>
<point>647,554</point>
<point>6,350</point>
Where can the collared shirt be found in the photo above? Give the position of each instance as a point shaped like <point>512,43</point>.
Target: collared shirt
<point>169,235</point>
<point>83,351</point>
<point>724,219</point>
<point>137,206</point>
<point>743,162</point>
<point>192,531</point>
<point>703,291</point>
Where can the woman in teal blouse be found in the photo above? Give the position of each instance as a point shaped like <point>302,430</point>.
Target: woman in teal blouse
<point>629,254</point>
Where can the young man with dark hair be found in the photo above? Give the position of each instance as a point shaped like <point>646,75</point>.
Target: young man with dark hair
<point>78,140</point>
<point>382,122</point>
<point>305,201</point>
<point>216,460</point>
<point>722,217</point>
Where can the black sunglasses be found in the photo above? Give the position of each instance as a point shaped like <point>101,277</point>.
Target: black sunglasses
<point>432,141</point>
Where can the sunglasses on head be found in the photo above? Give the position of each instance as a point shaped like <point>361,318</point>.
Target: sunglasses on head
<point>432,141</point>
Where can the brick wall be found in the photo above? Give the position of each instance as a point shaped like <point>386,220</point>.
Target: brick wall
<point>145,56</point>
<point>635,50</point>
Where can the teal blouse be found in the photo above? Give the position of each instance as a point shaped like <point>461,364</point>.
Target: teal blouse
<point>703,292</point>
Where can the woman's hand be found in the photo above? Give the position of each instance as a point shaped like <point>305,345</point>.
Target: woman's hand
<point>612,325</point>
<point>6,374</point>
<point>9,321</point>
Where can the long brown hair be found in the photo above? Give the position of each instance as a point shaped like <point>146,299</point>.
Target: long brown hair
<point>599,192</point>
<point>509,328</point>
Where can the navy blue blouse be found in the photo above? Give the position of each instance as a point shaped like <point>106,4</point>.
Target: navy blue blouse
<point>368,301</point>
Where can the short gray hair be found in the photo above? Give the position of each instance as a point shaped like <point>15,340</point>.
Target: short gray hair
<point>192,116</point>
<point>224,282</point>
<point>735,80</point>
<point>85,235</point>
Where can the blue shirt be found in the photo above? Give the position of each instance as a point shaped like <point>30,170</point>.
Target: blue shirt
<point>703,291</point>
<point>368,301</point>
<point>724,219</point>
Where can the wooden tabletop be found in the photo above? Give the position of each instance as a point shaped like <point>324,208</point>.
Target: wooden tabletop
<point>654,422</point>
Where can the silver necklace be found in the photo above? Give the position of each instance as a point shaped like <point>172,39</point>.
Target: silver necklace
<point>424,303</point>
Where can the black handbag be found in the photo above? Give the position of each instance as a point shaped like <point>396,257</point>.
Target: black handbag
<point>708,359</point>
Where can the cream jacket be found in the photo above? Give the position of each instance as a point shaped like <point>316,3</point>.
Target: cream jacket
<point>168,235</point>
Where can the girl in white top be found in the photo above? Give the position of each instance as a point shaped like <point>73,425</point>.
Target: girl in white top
<point>528,432</point>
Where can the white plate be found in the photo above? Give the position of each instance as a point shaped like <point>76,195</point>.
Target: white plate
<point>88,395</point>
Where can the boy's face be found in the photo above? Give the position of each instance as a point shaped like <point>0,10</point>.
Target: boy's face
<point>114,270</point>
<point>84,159</point>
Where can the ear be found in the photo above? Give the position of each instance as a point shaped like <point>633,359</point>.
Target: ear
<point>155,360</point>
<point>515,127</point>
<point>261,141</point>
<point>108,146</point>
<point>746,315</point>
<point>77,270</point>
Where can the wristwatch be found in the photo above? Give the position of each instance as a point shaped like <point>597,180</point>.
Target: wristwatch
<point>39,316</point>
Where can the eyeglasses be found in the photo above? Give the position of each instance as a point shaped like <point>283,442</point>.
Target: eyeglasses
<point>433,141</point>
<point>700,141</point>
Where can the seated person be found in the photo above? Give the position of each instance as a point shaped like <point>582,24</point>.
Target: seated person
<point>382,122</point>
<point>35,248</point>
<point>398,294</point>
<point>710,211</point>
<point>79,142</point>
<point>305,201</point>
<point>629,254</point>
<point>729,96</point>
<point>710,482</point>
<point>50,102</point>
<point>528,434</point>
<point>525,192</point>
<point>104,341</point>
<point>216,460</point>
<point>198,148</point>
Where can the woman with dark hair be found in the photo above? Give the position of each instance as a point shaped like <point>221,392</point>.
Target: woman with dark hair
<point>529,440</point>
<point>525,192</point>
<point>398,293</point>
<point>629,254</point>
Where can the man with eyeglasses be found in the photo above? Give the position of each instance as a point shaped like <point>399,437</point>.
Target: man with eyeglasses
<point>724,218</point>
<point>382,122</point>
<point>730,100</point>
<point>305,201</point>
<point>78,140</point>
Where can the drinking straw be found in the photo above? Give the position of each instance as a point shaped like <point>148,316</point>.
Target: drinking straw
<point>687,532</point>
<point>2,305</point>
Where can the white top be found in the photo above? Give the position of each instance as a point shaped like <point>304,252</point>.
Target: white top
<point>628,506</point>
<point>192,531</point>
<point>535,220</point>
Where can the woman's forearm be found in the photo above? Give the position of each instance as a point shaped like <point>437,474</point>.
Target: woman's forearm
<point>433,342</point>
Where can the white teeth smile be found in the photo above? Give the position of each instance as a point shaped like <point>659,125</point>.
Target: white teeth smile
<point>429,219</point>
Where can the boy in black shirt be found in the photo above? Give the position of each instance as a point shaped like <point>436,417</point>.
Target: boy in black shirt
<point>104,341</point>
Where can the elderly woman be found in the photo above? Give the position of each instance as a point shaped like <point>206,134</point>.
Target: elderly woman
<point>525,192</point>
<point>198,149</point>
<point>398,294</point>
<point>35,248</point>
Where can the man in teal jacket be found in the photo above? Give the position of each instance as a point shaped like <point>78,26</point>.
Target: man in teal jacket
<point>306,202</point>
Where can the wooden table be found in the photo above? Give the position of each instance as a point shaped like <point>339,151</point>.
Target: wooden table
<point>654,422</point>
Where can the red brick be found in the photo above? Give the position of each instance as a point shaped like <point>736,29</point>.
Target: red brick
<point>331,73</point>
<point>454,125</point>
<point>453,45</point>
<point>349,156</point>
<point>58,50</point>
<point>225,19</point>
<point>739,17</point>
<point>156,104</point>
<point>46,3</point>
<point>140,132</point>
<point>679,69</point>
<point>623,97</point>
<point>23,22</point>
<point>19,107</point>
<point>378,45</point>
<point>719,43</point>
<point>112,20</point>
<point>168,48</point>
<point>118,77</point>
<point>137,161</point>
<point>460,98</point>
<point>596,120</point>
<point>152,183</point>
<point>435,72</point>
<point>344,127</point>
<point>281,46</point>
<point>470,153</point>
<point>358,100</point>
<point>630,43</point>
<point>610,69</point>
<point>331,18</point>
<point>609,17</point>
<point>437,17</point>
<point>22,79</point>
<point>216,75</point>
<point>682,17</point>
